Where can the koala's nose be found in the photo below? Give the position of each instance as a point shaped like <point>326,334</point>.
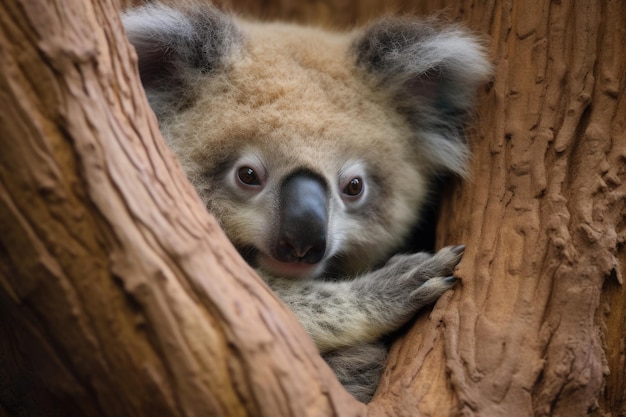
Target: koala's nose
<point>303,220</point>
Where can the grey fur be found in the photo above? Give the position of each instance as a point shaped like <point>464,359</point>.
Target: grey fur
<point>431,73</point>
<point>348,318</point>
<point>359,367</point>
<point>379,302</point>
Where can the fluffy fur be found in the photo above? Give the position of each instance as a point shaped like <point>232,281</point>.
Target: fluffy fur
<point>248,107</point>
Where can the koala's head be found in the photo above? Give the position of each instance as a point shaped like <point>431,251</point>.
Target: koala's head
<point>310,147</point>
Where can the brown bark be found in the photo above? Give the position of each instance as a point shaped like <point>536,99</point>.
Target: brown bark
<point>120,296</point>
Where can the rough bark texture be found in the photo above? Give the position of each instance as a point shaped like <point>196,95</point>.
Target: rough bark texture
<point>119,295</point>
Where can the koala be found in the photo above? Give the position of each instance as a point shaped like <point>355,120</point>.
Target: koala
<point>316,151</point>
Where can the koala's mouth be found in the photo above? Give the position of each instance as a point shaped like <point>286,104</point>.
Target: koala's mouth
<point>294,269</point>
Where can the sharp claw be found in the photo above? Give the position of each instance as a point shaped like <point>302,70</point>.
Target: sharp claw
<point>458,249</point>
<point>450,279</point>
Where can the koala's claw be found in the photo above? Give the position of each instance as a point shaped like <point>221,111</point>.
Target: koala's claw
<point>436,274</point>
<point>459,249</point>
<point>450,279</point>
<point>431,290</point>
<point>444,261</point>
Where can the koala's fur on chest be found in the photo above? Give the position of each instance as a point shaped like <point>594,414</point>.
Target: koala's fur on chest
<point>315,150</point>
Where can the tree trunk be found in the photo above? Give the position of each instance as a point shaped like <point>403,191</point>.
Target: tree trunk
<point>120,296</point>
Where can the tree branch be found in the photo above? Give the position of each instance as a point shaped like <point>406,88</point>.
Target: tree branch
<point>119,291</point>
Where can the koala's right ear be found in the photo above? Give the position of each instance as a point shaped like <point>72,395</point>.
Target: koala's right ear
<point>433,71</point>
<point>176,47</point>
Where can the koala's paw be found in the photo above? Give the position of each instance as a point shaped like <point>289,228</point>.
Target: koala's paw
<point>423,266</point>
<point>435,274</point>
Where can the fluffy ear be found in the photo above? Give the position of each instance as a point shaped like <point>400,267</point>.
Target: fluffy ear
<point>175,47</point>
<point>433,72</point>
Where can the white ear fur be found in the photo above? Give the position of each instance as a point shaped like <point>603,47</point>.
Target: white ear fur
<point>174,47</point>
<point>433,72</point>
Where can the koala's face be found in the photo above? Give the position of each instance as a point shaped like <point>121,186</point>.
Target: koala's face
<point>304,144</point>
<point>279,116</point>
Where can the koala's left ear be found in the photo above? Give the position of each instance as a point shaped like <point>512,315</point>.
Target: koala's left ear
<point>433,72</point>
<point>177,46</point>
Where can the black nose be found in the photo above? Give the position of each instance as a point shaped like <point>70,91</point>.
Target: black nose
<point>303,220</point>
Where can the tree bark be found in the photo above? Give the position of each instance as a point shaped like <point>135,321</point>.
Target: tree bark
<point>120,296</point>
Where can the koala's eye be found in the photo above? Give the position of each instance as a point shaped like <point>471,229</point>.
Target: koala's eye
<point>248,176</point>
<point>354,187</point>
